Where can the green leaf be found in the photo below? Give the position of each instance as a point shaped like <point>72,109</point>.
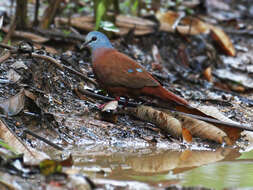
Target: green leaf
<point>100,12</point>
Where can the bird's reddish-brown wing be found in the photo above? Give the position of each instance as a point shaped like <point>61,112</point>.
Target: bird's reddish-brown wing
<point>115,69</point>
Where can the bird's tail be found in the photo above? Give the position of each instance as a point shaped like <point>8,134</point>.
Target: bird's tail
<point>163,94</point>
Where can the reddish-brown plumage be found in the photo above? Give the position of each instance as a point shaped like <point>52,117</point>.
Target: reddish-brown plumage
<point>122,76</point>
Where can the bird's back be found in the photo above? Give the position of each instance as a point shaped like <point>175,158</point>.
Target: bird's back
<point>116,69</point>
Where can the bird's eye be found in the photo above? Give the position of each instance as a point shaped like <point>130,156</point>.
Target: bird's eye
<point>94,38</point>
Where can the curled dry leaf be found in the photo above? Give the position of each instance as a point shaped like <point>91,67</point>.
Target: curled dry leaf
<point>193,26</point>
<point>233,133</point>
<point>164,121</point>
<point>28,35</point>
<point>134,22</point>
<point>223,40</point>
<point>188,25</point>
<point>124,31</point>
<point>83,23</point>
<point>209,112</point>
<point>203,130</point>
<point>173,122</point>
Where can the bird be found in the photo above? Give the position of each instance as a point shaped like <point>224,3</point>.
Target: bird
<point>120,75</point>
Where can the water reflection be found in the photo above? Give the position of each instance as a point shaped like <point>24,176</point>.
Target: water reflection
<point>190,167</point>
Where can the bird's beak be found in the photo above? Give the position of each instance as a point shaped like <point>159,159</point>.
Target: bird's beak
<point>85,44</point>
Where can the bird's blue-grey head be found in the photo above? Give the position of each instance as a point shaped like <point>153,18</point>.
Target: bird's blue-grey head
<point>96,40</point>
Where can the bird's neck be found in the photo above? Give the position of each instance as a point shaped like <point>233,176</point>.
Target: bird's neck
<point>98,52</point>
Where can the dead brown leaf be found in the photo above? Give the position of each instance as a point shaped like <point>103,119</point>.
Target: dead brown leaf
<point>187,136</point>
<point>211,112</point>
<point>164,121</point>
<point>203,130</point>
<point>27,35</point>
<point>30,155</point>
<point>190,25</point>
<point>85,23</point>
<point>223,40</point>
<point>173,123</point>
<point>125,23</point>
<point>207,73</point>
<point>134,22</point>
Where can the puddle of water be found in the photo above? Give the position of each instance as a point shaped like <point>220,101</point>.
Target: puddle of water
<point>214,169</point>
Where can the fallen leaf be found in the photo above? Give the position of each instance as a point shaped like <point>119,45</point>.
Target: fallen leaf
<point>28,35</point>
<point>30,155</point>
<point>167,20</point>
<point>164,121</point>
<point>134,22</point>
<point>233,133</point>
<point>194,26</point>
<point>124,23</point>
<point>203,130</point>
<point>30,95</point>
<point>13,105</point>
<point>188,25</point>
<point>223,40</point>
<point>67,162</point>
<point>13,76</point>
<point>83,23</point>
<point>240,78</point>
<point>48,49</point>
<point>207,73</point>
<point>187,136</point>
<point>19,65</point>
<point>110,106</point>
<point>173,123</point>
